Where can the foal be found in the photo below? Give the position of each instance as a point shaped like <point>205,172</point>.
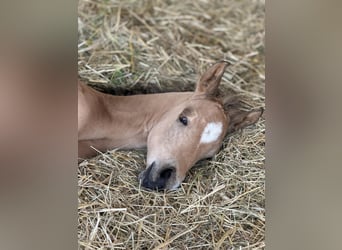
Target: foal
<point>178,129</point>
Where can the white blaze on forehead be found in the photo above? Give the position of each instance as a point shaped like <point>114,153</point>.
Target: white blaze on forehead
<point>211,132</point>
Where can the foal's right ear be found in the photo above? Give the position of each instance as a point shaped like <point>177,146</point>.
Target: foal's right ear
<point>210,80</point>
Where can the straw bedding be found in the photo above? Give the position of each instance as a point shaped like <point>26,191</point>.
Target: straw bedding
<point>148,46</point>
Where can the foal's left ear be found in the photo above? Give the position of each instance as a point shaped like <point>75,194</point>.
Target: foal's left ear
<point>239,119</point>
<point>210,80</point>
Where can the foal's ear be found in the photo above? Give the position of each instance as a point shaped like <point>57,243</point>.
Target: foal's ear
<point>238,119</point>
<point>210,80</point>
<point>241,119</point>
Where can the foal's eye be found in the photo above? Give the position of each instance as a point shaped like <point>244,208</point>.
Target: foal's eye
<point>183,120</point>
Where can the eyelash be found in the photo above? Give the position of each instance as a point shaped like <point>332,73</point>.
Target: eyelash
<point>183,120</point>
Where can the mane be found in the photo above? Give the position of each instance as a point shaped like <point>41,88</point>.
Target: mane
<point>223,96</point>
<point>142,88</point>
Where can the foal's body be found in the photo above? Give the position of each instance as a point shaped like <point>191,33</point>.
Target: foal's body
<point>178,128</point>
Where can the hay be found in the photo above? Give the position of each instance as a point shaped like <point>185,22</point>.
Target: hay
<point>148,46</point>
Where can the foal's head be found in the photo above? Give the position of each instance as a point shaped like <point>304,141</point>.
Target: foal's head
<point>190,131</point>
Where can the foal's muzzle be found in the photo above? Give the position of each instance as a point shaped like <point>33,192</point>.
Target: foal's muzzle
<point>157,178</point>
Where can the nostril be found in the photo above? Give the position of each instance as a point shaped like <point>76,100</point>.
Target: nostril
<point>152,165</point>
<point>166,173</point>
<point>154,180</point>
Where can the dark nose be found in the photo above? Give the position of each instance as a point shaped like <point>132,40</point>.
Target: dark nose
<point>155,179</point>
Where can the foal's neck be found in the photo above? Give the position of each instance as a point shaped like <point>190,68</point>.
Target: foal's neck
<point>129,119</point>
